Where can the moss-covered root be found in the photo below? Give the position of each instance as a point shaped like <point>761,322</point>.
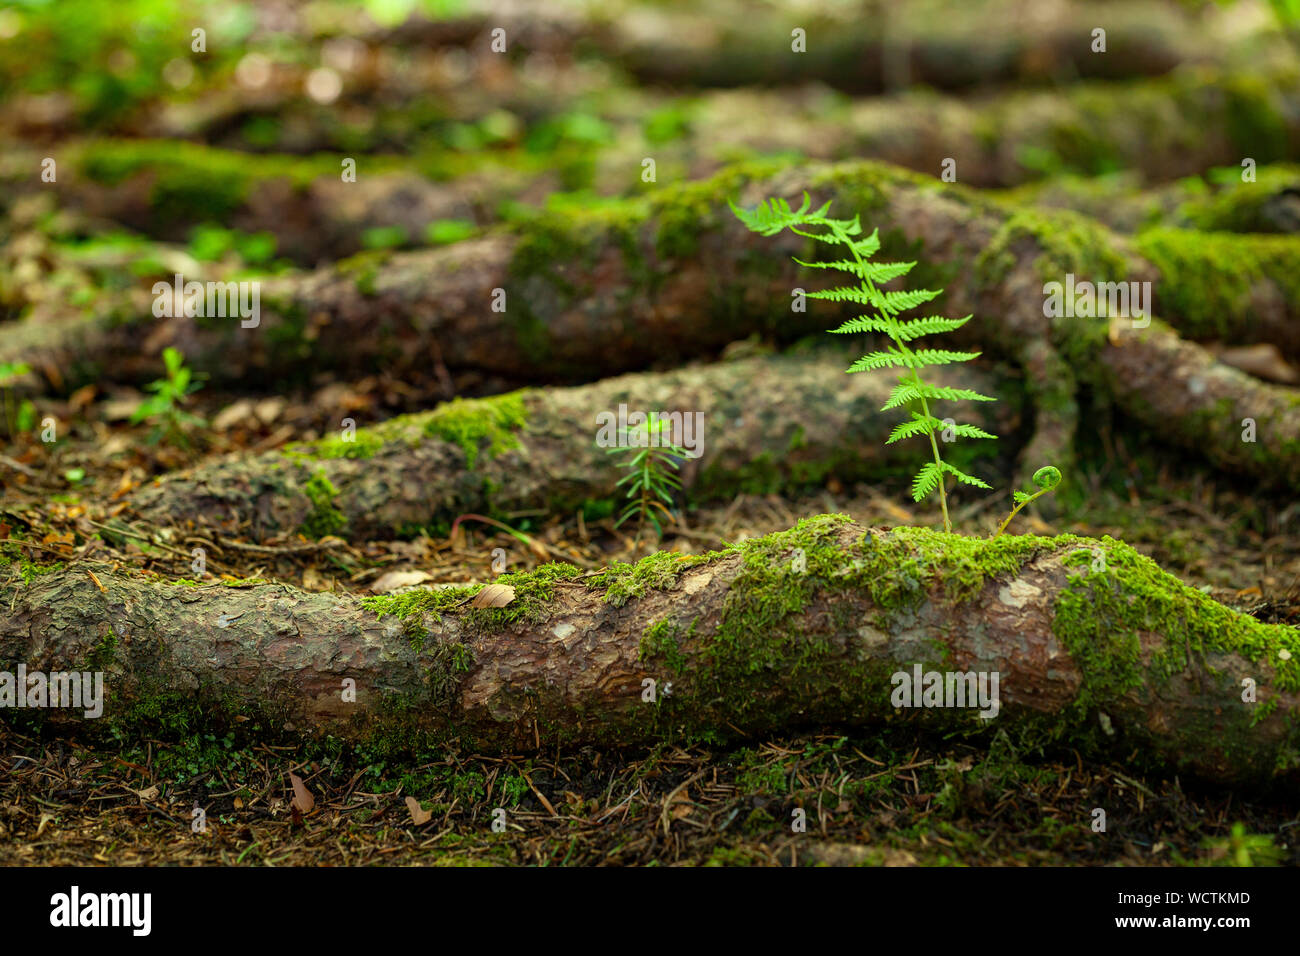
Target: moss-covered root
<point>1178,390</point>
<point>1091,646</point>
<point>166,188</point>
<point>758,425</point>
<point>1268,204</point>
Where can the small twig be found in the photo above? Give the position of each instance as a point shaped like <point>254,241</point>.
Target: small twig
<point>17,466</point>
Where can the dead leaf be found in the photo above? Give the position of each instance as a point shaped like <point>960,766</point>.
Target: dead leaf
<point>419,815</point>
<point>269,409</point>
<point>302,801</point>
<point>393,580</point>
<point>232,415</point>
<point>1262,361</point>
<point>313,580</point>
<point>494,595</point>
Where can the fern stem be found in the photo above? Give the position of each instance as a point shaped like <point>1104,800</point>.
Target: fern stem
<point>1016,510</point>
<point>897,339</point>
<point>943,496</point>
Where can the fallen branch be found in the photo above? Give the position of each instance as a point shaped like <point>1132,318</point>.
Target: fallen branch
<point>765,425</point>
<point>1095,647</point>
<point>703,281</point>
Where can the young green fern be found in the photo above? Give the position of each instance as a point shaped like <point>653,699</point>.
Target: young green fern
<point>882,317</point>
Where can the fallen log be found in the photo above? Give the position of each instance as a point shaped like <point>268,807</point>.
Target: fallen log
<point>1094,647</point>
<point>759,425</point>
<point>548,299</point>
<point>885,47</point>
<point>165,189</point>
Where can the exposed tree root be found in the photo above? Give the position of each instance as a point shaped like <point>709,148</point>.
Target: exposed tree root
<point>704,281</point>
<point>885,46</point>
<point>766,425</point>
<point>1096,648</point>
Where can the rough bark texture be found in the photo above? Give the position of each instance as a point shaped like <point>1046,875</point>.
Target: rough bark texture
<point>702,281</point>
<point>769,424</point>
<point>1096,649</point>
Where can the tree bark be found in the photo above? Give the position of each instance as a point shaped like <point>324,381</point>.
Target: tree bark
<point>768,424</point>
<point>703,281</point>
<point>1096,649</point>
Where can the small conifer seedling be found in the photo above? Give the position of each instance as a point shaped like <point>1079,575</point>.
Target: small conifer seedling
<point>882,317</point>
<point>651,462</point>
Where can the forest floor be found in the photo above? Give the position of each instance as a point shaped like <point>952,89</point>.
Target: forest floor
<point>232,163</point>
<point>890,796</point>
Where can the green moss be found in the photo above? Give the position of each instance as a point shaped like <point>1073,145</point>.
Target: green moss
<point>192,183</point>
<point>1240,206</point>
<point>1070,243</point>
<point>1101,616</point>
<point>660,642</point>
<point>903,566</point>
<point>325,518</point>
<point>31,569</point>
<point>659,571</point>
<point>363,268</point>
<point>411,606</point>
<point>1207,279</point>
<point>364,444</point>
<point>102,656</point>
<point>534,593</point>
<point>1256,117</point>
<point>470,423</point>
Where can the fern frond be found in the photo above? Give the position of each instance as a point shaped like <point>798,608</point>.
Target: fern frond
<point>878,272</point>
<point>902,301</point>
<point>868,245</point>
<point>881,317</point>
<point>902,393</point>
<point>925,357</point>
<point>844,294</point>
<point>874,360</point>
<point>970,431</point>
<point>965,478</point>
<point>867,323</point>
<point>930,325</point>
<point>919,425</point>
<point>926,480</point>
<point>772,215</point>
<point>913,389</point>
